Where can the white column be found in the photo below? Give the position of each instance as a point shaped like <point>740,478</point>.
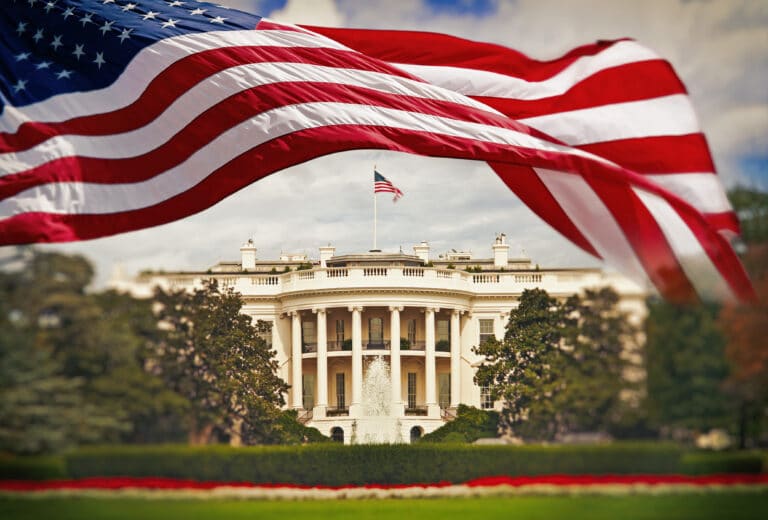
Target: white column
<point>357,361</point>
<point>398,409</point>
<point>296,360</point>
<point>455,358</point>
<point>321,404</point>
<point>433,410</point>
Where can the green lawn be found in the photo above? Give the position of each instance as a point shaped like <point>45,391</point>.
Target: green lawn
<point>731,506</point>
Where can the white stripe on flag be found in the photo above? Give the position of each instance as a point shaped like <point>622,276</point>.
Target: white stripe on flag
<point>668,115</point>
<point>473,82</point>
<point>585,208</point>
<point>694,261</point>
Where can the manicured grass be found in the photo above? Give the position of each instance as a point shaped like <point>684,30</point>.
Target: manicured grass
<point>731,506</point>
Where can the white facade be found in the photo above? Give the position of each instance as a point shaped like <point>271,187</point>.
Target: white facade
<point>422,315</point>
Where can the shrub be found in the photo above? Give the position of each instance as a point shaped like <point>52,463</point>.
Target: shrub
<point>32,467</point>
<point>707,462</point>
<point>471,423</point>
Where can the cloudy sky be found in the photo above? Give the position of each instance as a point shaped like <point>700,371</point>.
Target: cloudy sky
<point>719,48</point>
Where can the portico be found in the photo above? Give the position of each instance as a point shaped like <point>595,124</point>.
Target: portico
<point>407,337</point>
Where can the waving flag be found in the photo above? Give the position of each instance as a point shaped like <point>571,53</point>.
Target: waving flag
<point>382,185</point>
<point>119,115</point>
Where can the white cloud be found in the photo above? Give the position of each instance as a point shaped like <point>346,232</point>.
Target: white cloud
<point>310,12</point>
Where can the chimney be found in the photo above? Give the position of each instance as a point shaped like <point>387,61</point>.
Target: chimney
<point>500,252</point>
<point>248,255</point>
<point>326,252</point>
<point>422,251</point>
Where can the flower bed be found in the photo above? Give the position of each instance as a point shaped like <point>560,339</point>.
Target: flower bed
<point>149,487</point>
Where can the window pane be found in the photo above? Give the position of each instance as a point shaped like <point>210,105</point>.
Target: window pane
<point>411,389</point>
<point>375,330</point>
<point>486,402</point>
<point>412,331</point>
<point>340,396</point>
<point>486,331</point>
<point>308,332</point>
<point>308,391</point>
<point>442,330</point>
<point>486,326</point>
<point>340,331</point>
<point>444,386</point>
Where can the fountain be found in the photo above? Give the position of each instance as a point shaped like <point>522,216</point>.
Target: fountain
<point>377,426</point>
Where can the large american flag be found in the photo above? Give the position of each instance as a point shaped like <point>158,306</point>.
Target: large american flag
<point>119,115</point>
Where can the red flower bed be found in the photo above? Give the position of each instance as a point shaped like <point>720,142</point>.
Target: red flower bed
<point>151,483</point>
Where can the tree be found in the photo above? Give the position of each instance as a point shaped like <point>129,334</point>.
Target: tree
<point>745,328</point>
<point>43,407</point>
<point>562,366</point>
<point>523,369</point>
<point>598,340</point>
<point>744,323</point>
<point>686,367</point>
<point>214,356</point>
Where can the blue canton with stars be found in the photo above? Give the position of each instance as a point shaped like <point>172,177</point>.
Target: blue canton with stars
<point>49,47</point>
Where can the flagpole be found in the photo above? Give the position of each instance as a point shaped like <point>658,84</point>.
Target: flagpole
<point>374,211</point>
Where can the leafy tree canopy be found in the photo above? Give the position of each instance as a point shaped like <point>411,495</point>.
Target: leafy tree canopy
<point>215,357</point>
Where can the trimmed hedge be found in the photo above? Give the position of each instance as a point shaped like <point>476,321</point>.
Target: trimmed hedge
<point>707,463</point>
<point>335,465</point>
<point>32,467</point>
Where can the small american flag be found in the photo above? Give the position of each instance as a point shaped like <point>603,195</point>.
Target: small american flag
<point>382,185</point>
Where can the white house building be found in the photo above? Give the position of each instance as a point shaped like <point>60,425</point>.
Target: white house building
<point>420,315</point>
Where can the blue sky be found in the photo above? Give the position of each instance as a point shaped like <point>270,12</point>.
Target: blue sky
<point>719,48</point>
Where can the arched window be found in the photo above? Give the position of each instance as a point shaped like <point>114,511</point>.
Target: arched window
<point>337,434</point>
<point>416,433</point>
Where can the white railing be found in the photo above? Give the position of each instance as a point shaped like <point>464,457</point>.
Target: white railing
<point>485,278</point>
<point>265,280</point>
<point>387,276</point>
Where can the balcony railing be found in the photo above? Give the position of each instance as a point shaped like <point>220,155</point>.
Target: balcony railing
<point>346,345</point>
<point>414,345</point>
<point>418,409</point>
<point>335,346</point>
<point>377,345</point>
<point>336,411</point>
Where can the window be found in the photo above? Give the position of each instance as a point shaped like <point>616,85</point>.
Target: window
<point>376,332</point>
<point>443,335</point>
<point>411,390</point>
<point>308,336</point>
<point>486,331</point>
<point>416,433</point>
<point>340,395</point>
<point>308,391</point>
<point>486,401</point>
<point>337,434</point>
<point>444,390</point>
<point>266,333</point>
<point>442,330</point>
<point>412,332</point>
<point>340,332</point>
